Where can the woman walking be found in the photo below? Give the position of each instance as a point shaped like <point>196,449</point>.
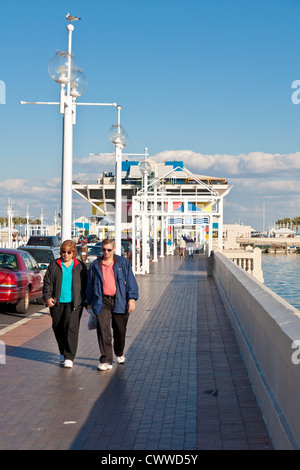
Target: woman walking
<point>182,246</point>
<point>64,294</point>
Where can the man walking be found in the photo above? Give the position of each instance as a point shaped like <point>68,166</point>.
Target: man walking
<point>111,294</point>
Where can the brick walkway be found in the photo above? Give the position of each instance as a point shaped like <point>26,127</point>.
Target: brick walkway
<point>183,387</point>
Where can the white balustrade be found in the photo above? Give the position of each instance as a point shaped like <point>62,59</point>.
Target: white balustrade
<point>249,260</point>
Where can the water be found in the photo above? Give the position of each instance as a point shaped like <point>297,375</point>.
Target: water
<point>282,275</point>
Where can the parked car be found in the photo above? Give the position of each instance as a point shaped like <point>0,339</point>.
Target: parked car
<point>126,248</point>
<point>43,255</point>
<point>39,240</point>
<point>21,279</point>
<point>123,253</point>
<point>92,239</point>
<point>82,239</point>
<point>94,252</point>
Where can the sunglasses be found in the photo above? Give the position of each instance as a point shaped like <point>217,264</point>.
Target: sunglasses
<point>68,252</point>
<point>107,249</point>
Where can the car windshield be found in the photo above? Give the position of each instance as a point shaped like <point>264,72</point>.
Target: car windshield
<point>92,250</point>
<point>42,256</point>
<point>45,241</point>
<point>95,250</point>
<point>8,261</point>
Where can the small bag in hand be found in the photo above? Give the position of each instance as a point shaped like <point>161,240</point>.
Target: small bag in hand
<point>92,323</point>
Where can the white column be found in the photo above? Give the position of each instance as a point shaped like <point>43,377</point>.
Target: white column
<point>42,223</point>
<point>154,260</point>
<point>170,210</point>
<point>27,224</point>
<point>67,172</point>
<point>9,216</point>
<point>138,244</point>
<point>118,199</point>
<point>220,227</point>
<point>145,237</point>
<point>162,228</point>
<point>210,234</point>
<point>118,190</point>
<point>67,166</point>
<point>133,237</point>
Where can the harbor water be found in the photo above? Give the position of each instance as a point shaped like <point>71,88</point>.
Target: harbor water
<point>282,274</point>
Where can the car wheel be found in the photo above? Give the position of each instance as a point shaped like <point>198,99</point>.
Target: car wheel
<point>22,306</point>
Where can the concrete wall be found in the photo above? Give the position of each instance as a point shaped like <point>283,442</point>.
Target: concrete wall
<point>266,327</point>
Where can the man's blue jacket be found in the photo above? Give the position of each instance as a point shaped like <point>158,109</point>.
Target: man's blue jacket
<point>126,284</point>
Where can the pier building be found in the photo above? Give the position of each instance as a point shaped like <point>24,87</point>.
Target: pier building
<point>163,203</point>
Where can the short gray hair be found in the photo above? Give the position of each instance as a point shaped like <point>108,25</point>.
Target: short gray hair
<point>108,241</point>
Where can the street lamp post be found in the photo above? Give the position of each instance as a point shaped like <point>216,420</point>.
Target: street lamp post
<point>64,70</point>
<point>119,138</point>
<point>154,258</point>
<point>10,222</point>
<point>42,223</point>
<point>145,169</point>
<point>27,224</point>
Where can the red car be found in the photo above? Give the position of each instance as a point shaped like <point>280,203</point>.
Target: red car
<point>21,279</point>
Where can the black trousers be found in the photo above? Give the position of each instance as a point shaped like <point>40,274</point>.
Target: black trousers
<point>109,321</point>
<point>65,324</point>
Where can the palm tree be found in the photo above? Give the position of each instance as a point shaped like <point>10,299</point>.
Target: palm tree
<point>296,223</point>
<point>287,222</point>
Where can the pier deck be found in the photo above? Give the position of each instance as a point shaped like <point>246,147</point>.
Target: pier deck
<point>184,385</point>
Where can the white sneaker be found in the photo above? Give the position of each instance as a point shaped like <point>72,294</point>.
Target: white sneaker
<point>68,363</point>
<point>120,359</point>
<point>104,366</point>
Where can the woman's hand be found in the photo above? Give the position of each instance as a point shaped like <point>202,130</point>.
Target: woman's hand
<point>50,302</point>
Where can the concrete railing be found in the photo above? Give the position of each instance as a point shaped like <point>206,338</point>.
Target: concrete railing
<point>267,329</point>
<point>249,260</point>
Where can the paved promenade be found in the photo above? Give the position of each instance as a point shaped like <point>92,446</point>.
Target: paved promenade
<point>183,387</point>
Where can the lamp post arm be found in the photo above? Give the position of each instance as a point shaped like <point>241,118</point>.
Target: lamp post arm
<point>96,104</point>
<point>77,104</point>
<point>39,102</point>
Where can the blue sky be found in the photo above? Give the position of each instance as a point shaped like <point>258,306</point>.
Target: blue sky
<point>208,82</point>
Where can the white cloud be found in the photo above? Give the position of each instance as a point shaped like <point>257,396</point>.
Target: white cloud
<point>254,163</point>
<point>271,187</point>
<point>15,186</point>
<point>256,177</point>
<point>24,193</point>
<point>100,161</point>
<point>21,187</point>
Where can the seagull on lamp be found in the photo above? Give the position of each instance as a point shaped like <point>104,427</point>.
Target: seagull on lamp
<point>72,18</point>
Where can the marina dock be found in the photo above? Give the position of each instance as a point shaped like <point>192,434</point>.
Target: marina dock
<point>272,244</point>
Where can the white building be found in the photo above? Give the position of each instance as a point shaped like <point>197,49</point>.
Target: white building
<point>164,204</point>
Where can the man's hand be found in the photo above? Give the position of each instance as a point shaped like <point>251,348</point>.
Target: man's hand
<point>131,305</point>
<point>89,309</point>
